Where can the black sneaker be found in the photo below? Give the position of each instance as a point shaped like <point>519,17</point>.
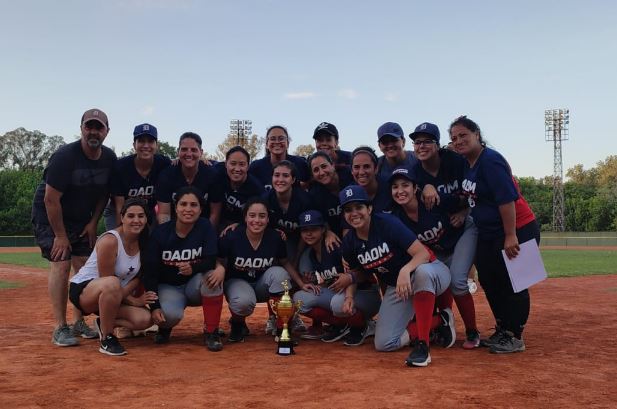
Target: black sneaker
<point>356,336</point>
<point>111,346</point>
<point>508,344</point>
<point>162,336</point>
<point>245,329</point>
<point>419,355</point>
<point>335,332</point>
<point>494,339</point>
<point>212,340</point>
<point>237,332</point>
<point>446,332</point>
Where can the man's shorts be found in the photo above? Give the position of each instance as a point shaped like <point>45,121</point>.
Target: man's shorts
<point>44,235</point>
<point>75,290</point>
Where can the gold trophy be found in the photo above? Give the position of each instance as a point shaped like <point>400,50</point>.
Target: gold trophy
<point>285,310</point>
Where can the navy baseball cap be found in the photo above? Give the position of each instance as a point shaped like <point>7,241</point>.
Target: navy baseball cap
<point>428,129</point>
<point>311,218</point>
<point>390,129</point>
<point>145,129</point>
<point>353,193</point>
<point>325,128</point>
<point>402,172</point>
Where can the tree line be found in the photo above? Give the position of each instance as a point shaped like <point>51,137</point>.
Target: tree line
<point>590,194</point>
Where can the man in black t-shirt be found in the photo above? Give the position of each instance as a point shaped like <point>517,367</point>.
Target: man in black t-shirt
<point>65,211</point>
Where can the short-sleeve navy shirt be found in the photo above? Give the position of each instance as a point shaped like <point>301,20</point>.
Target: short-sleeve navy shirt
<point>385,169</point>
<point>328,203</point>
<point>245,262</point>
<point>234,199</point>
<point>288,220</point>
<point>385,251</point>
<point>262,169</point>
<point>326,271</point>
<point>450,176</point>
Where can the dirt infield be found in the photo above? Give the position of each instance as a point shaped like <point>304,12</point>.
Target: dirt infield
<point>570,362</point>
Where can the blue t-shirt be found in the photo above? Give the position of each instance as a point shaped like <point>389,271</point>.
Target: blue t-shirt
<point>328,203</point>
<point>172,179</point>
<point>128,183</point>
<point>487,185</point>
<point>433,227</point>
<point>245,262</point>
<point>234,199</point>
<point>326,271</point>
<point>450,176</point>
<point>262,169</point>
<point>385,169</point>
<point>385,251</point>
<point>166,250</point>
<point>287,220</point>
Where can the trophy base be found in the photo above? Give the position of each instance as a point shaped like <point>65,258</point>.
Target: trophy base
<point>285,348</point>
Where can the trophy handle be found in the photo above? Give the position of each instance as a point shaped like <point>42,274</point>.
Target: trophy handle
<point>272,305</point>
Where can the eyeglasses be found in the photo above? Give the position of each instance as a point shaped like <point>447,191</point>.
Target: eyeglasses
<point>425,142</point>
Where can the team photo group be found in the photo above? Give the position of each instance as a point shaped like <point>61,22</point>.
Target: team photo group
<point>368,244</point>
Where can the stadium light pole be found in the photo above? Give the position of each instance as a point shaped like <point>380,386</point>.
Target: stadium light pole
<point>241,129</point>
<point>556,130</point>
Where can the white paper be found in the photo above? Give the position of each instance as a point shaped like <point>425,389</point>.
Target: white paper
<point>527,268</point>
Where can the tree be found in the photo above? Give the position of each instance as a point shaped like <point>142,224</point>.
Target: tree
<point>253,145</point>
<point>304,150</point>
<point>168,150</point>
<point>16,192</point>
<point>27,150</point>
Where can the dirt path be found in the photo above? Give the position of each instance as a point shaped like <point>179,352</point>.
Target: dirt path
<point>570,362</point>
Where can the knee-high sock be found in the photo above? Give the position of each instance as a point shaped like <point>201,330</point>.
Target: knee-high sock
<point>326,316</point>
<point>467,309</point>
<point>412,328</point>
<point>357,320</point>
<point>444,300</point>
<point>212,307</point>
<point>423,303</point>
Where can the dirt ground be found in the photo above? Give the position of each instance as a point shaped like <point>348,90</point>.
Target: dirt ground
<point>571,361</point>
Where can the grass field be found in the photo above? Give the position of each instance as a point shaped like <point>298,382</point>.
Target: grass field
<point>558,263</point>
<point>9,284</point>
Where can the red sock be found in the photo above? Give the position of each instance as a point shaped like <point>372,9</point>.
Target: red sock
<point>357,320</point>
<point>212,307</point>
<point>467,309</point>
<point>444,300</point>
<point>412,328</point>
<point>436,321</point>
<point>423,303</point>
<point>319,314</point>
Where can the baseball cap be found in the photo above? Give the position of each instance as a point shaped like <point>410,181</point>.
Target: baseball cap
<point>145,129</point>
<point>426,128</point>
<point>95,114</point>
<point>311,218</point>
<point>353,193</point>
<point>402,172</point>
<point>390,129</point>
<point>326,128</point>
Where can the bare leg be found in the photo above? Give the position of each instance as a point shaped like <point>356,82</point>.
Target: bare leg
<point>77,263</point>
<point>57,284</point>
<point>134,318</point>
<point>105,295</point>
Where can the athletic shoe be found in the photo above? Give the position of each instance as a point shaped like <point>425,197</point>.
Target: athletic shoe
<point>162,336</point>
<point>80,328</point>
<point>313,332</point>
<point>111,346</point>
<point>297,325</point>
<point>446,331</point>
<point>212,340</point>
<point>356,335</point>
<point>335,332</point>
<point>245,328</point>
<point>493,339</point>
<point>508,344</point>
<point>370,329</point>
<point>237,332</point>
<point>419,355</point>
<point>271,325</point>
<point>63,337</point>
<point>472,339</point>
<point>144,332</point>
<point>97,327</point>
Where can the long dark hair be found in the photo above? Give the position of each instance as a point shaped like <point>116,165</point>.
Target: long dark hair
<point>470,125</point>
<point>254,200</point>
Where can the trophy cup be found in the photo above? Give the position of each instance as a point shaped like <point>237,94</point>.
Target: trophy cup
<point>285,310</point>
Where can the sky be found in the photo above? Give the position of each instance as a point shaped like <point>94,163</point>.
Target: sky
<point>188,65</point>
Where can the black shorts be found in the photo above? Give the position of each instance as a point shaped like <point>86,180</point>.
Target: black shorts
<point>75,290</point>
<point>44,235</point>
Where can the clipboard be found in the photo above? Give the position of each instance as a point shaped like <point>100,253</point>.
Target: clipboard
<point>527,268</point>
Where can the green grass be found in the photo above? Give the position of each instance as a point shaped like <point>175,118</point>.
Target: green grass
<point>9,284</point>
<point>24,259</point>
<point>558,263</point>
<point>573,263</point>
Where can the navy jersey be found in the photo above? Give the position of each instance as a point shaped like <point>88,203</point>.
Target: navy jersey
<point>245,262</point>
<point>487,185</point>
<point>326,271</point>
<point>385,251</point>
<point>385,169</point>
<point>166,250</point>
<point>343,159</point>
<point>172,179</point>
<point>234,199</point>
<point>262,169</point>
<point>128,183</point>
<point>82,181</point>
<point>288,220</point>
<point>433,227</point>
<point>450,176</point>
<point>328,203</point>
